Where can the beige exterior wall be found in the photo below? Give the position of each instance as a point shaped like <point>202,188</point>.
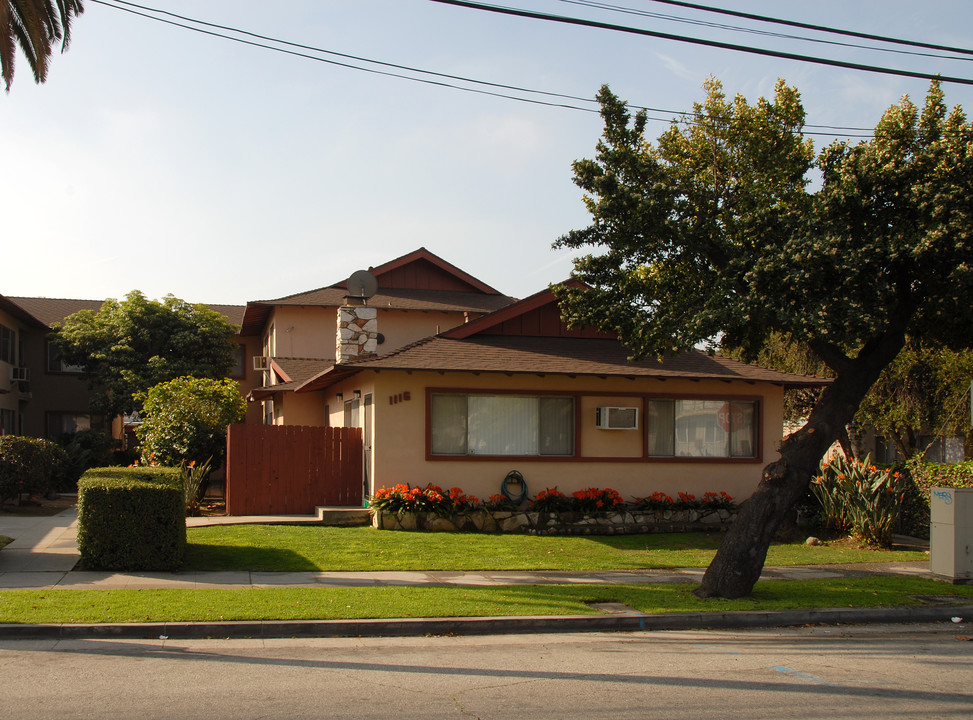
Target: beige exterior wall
<point>400,436</point>
<point>402,327</point>
<point>303,409</point>
<point>310,332</point>
<point>303,332</point>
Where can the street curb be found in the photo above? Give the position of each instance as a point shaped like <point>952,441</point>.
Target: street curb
<point>512,625</point>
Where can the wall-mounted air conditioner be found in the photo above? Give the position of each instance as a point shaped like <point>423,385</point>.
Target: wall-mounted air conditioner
<point>19,374</point>
<point>261,362</point>
<point>617,418</point>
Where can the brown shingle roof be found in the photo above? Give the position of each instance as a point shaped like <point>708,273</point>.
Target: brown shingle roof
<point>52,310</point>
<point>55,310</point>
<point>300,370</point>
<point>257,313</point>
<point>397,299</point>
<point>561,356</point>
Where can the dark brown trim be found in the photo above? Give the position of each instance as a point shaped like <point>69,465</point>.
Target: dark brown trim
<point>578,429</point>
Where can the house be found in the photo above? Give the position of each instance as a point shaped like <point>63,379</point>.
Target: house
<point>455,384</point>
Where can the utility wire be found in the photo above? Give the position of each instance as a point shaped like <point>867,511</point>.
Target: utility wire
<point>516,12</point>
<point>764,33</point>
<point>143,11</point>
<point>118,5</point>
<point>809,26</point>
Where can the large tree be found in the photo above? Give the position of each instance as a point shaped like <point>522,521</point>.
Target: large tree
<point>711,235</point>
<point>35,26</point>
<point>130,346</point>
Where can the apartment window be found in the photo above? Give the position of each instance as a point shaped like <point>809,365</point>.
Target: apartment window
<point>502,425</point>
<point>56,365</point>
<point>8,345</point>
<point>8,422</point>
<point>352,413</point>
<point>60,424</point>
<point>702,428</point>
<point>239,369</point>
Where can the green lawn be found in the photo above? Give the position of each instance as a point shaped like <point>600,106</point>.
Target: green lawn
<point>115,606</point>
<point>316,548</point>
<point>309,548</point>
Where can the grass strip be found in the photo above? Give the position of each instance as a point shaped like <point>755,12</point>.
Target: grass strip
<point>209,605</point>
<point>296,548</point>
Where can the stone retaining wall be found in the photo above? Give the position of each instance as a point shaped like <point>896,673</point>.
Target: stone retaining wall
<point>568,523</point>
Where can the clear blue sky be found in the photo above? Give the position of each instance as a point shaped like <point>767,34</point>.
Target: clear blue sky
<point>165,160</point>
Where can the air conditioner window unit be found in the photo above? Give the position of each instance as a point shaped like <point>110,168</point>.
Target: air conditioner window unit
<point>20,374</point>
<point>617,418</point>
<point>261,362</point>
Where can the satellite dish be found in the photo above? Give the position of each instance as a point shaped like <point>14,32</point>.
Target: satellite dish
<point>362,284</point>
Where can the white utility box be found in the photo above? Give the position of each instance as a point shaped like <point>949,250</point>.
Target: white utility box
<point>951,533</point>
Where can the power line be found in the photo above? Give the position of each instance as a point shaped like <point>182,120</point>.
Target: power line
<point>810,26</point>
<point>769,33</point>
<point>516,12</point>
<point>143,11</point>
<point>117,5</point>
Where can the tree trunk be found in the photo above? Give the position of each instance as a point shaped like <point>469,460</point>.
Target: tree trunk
<point>741,556</point>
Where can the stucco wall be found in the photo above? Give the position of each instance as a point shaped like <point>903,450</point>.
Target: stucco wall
<point>402,327</point>
<point>304,332</point>
<point>309,332</point>
<point>400,437</point>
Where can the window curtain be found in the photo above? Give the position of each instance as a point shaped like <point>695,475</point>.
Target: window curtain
<point>503,425</point>
<point>449,415</point>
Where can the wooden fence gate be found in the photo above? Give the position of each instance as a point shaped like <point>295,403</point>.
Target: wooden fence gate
<point>289,470</point>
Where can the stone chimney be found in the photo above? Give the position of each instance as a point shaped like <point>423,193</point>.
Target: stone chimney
<point>357,337</point>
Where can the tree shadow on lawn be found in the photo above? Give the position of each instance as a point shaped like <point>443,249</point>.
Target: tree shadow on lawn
<point>203,557</point>
<point>661,541</point>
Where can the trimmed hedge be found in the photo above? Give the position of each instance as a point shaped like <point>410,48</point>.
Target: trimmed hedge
<point>922,477</point>
<point>131,519</point>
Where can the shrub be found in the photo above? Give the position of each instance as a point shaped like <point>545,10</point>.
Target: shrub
<point>131,519</point>
<point>859,498</point>
<point>85,449</point>
<point>29,466</point>
<point>921,478</point>
<point>186,419</point>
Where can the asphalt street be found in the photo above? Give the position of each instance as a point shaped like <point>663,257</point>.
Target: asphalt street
<point>876,671</point>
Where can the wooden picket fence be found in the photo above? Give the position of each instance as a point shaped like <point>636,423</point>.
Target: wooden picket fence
<point>289,470</point>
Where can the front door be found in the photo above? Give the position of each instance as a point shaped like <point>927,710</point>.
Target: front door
<point>367,447</point>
